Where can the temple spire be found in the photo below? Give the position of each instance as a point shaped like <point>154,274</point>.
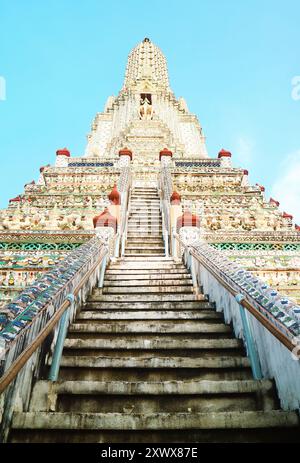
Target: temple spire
<point>146,63</point>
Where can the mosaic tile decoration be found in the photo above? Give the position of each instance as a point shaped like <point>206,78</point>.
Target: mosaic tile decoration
<point>280,311</point>
<point>16,315</point>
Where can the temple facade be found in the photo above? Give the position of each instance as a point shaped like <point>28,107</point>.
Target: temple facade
<point>148,291</point>
<point>55,212</point>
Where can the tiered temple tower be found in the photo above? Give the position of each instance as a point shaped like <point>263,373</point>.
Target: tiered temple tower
<point>131,308</point>
<point>55,213</point>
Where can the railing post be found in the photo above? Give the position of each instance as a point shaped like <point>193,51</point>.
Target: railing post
<point>193,273</point>
<point>254,359</point>
<point>59,345</point>
<point>117,246</point>
<point>174,246</point>
<point>102,271</point>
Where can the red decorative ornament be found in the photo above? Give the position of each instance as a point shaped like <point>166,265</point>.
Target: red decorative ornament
<point>297,227</point>
<point>126,152</point>
<point>224,154</point>
<point>285,215</point>
<point>16,199</point>
<point>165,152</point>
<point>261,187</point>
<point>175,198</point>
<point>274,202</point>
<point>105,219</point>
<point>114,196</point>
<point>245,172</point>
<point>187,219</point>
<point>63,152</point>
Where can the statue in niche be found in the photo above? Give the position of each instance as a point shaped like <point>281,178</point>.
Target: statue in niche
<point>146,108</point>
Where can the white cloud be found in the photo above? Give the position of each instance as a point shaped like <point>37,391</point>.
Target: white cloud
<point>286,188</point>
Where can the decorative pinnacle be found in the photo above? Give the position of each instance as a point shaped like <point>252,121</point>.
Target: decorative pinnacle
<point>146,39</point>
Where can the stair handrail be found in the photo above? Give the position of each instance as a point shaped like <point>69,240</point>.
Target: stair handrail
<point>165,191</point>
<point>284,335</point>
<point>38,310</point>
<point>233,288</point>
<point>125,184</point>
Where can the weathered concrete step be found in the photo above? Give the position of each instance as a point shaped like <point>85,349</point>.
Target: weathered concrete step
<point>148,266</point>
<point>136,388</point>
<point>142,196</point>
<point>153,361</point>
<point>147,297</point>
<point>144,234</point>
<point>142,203</point>
<point>147,220</point>
<point>150,241</point>
<point>121,277</point>
<point>155,326</point>
<point>142,343</point>
<point>147,315</point>
<point>162,260</point>
<point>94,305</point>
<point>145,255</point>
<point>145,210</point>
<point>122,421</point>
<point>162,289</point>
<point>144,252</point>
<point>129,273</point>
<point>145,246</point>
<point>149,230</point>
<point>148,282</point>
<point>145,213</point>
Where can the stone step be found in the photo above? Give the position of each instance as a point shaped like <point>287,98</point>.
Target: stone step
<point>95,304</point>
<point>145,209</point>
<point>120,276</point>
<point>137,282</point>
<point>154,397</point>
<point>143,344</point>
<point>140,220</point>
<point>144,246</point>
<point>148,289</point>
<point>144,194</point>
<point>150,230</point>
<point>145,254</point>
<point>132,421</point>
<point>150,326</point>
<point>150,240</point>
<point>166,297</point>
<point>105,361</point>
<point>144,213</point>
<point>145,274</point>
<point>147,315</point>
<point>161,260</point>
<point>165,388</point>
<point>145,268</point>
<point>148,226</point>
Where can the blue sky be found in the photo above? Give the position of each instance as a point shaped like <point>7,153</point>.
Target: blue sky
<point>233,61</point>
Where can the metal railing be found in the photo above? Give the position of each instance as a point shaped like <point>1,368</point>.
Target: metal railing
<point>284,337</point>
<point>52,303</point>
<point>165,190</point>
<point>270,335</point>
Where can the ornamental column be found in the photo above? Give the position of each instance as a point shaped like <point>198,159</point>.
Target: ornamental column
<point>225,157</point>
<point>62,157</point>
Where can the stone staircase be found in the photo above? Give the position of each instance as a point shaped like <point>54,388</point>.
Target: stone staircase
<point>148,360</point>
